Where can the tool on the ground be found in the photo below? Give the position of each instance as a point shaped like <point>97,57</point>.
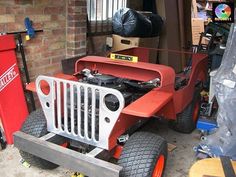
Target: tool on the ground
<point>76,174</point>
<point>206,126</point>
<point>24,163</point>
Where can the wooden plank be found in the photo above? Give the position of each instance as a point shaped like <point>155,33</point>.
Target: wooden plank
<point>171,147</point>
<point>208,167</point>
<point>194,9</point>
<point>65,157</point>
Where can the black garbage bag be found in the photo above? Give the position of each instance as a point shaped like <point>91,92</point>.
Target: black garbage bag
<point>157,24</point>
<point>129,23</point>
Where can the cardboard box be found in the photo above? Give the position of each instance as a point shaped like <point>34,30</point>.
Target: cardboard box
<point>197,28</point>
<point>122,43</point>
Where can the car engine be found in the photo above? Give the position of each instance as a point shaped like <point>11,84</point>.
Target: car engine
<point>130,89</point>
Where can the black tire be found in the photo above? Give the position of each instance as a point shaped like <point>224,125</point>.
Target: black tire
<point>186,121</point>
<point>140,154</point>
<point>36,125</point>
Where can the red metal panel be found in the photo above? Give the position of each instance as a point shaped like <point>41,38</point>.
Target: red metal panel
<point>32,87</point>
<point>141,71</point>
<point>13,107</point>
<point>149,104</point>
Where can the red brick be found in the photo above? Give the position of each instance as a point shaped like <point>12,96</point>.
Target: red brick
<point>56,45</point>
<point>73,17</point>
<point>73,45</point>
<point>20,18</point>
<point>36,71</point>
<point>34,10</point>
<point>51,25</point>
<point>81,3</point>
<point>74,30</point>
<point>44,3</point>
<point>55,17</point>
<point>84,10</point>
<point>2,10</point>
<point>3,27</point>
<point>33,56</point>
<point>57,59</point>
<point>75,10</point>
<point>58,2</point>
<point>59,31</point>
<point>42,62</point>
<point>15,10</point>
<point>7,2</point>
<point>52,39</point>
<point>36,40</point>
<point>77,2</point>
<point>54,10</point>
<point>24,2</point>
<point>38,25</point>
<point>77,37</point>
<point>77,24</point>
<point>56,67</point>
<point>77,52</point>
<point>52,53</point>
<point>83,30</point>
<point>15,27</point>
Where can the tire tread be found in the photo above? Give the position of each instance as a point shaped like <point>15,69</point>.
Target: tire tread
<point>140,153</point>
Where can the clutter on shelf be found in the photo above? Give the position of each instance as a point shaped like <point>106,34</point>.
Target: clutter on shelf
<point>223,141</point>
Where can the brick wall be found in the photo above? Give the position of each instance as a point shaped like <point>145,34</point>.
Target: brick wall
<point>64,25</point>
<point>99,46</point>
<point>76,28</point>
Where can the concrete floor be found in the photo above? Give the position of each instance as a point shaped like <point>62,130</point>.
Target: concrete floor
<point>178,163</point>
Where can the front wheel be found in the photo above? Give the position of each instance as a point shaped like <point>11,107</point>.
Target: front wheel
<point>144,155</point>
<point>36,126</point>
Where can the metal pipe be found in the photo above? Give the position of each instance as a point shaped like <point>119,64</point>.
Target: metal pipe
<point>20,45</point>
<point>20,32</point>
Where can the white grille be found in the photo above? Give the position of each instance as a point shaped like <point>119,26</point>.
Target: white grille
<point>77,110</point>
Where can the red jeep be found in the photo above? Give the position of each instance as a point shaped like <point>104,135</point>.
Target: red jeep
<point>97,111</point>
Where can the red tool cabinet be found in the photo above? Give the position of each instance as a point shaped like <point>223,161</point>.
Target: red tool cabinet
<point>13,107</point>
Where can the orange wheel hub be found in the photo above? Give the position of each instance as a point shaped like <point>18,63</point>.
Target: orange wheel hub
<point>195,111</point>
<point>159,167</point>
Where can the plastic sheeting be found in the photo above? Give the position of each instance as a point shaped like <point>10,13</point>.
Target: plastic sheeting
<point>223,141</point>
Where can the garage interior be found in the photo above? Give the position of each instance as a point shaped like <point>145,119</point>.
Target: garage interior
<point>117,88</point>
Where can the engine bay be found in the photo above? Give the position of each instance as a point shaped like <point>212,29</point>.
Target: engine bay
<point>130,89</point>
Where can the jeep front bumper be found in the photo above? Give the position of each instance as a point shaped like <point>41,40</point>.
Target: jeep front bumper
<point>84,163</point>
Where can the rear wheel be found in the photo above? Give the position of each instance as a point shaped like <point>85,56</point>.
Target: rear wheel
<point>36,126</point>
<point>143,155</point>
<point>186,121</point>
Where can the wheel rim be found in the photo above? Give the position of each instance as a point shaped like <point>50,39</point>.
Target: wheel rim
<point>159,167</point>
<point>195,111</point>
